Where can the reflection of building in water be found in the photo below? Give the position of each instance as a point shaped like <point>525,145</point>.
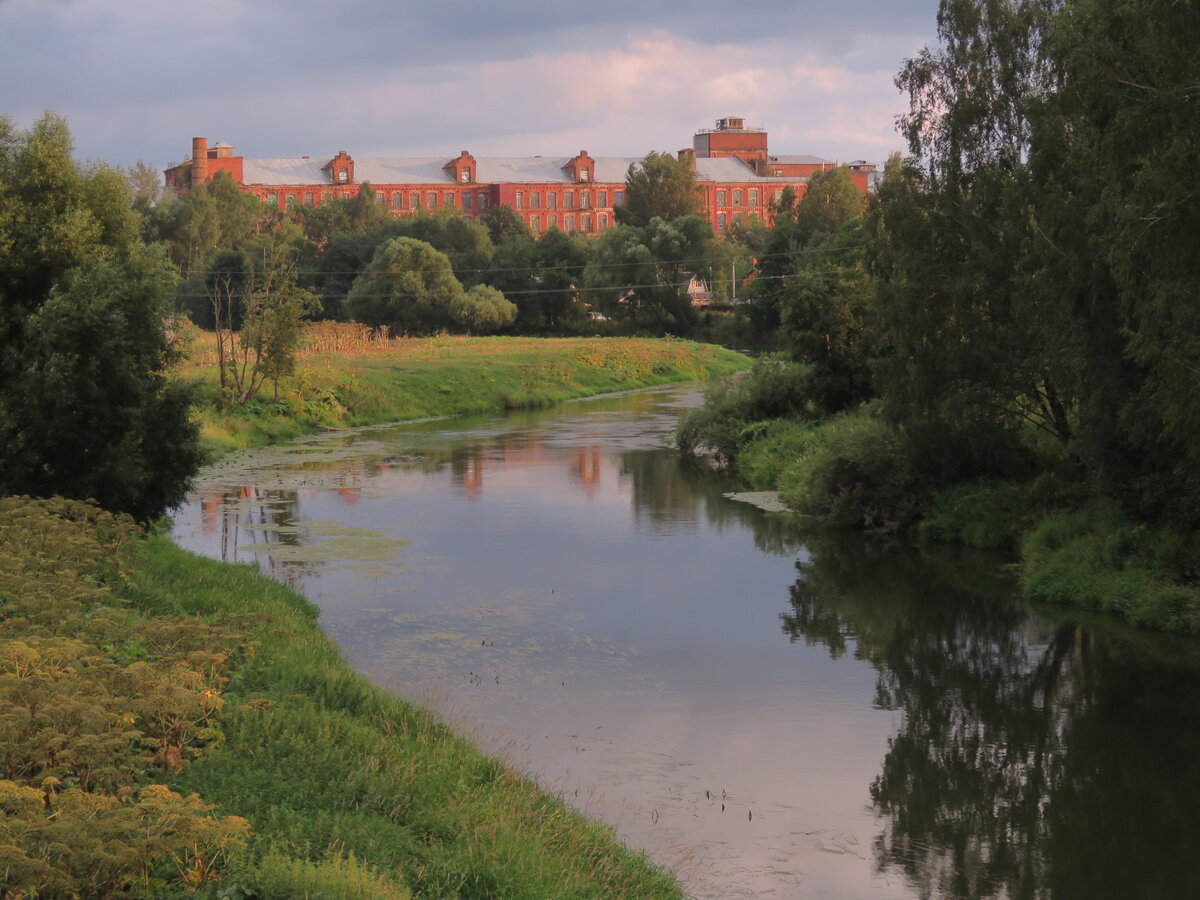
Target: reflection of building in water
<point>584,466</point>
<point>471,477</point>
<point>587,469</point>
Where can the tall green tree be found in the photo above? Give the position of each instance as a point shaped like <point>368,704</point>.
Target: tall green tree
<point>1115,249</point>
<point>977,357</point>
<point>650,268</point>
<point>215,215</point>
<point>830,201</point>
<point>660,186</point>
<point>409,286</point>
<point>87,407</point>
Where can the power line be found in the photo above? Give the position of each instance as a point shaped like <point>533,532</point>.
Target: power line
<point>535,269</point>
<point>577,289</point>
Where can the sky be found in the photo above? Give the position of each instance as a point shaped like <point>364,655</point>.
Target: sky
<point>284,78</point>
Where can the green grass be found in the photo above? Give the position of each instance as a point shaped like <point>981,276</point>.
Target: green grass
<point>352,792</point>
<point>445,376</point>
<point>1095,558</point>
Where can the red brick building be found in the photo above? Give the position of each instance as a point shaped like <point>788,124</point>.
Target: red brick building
<point>735,174</point>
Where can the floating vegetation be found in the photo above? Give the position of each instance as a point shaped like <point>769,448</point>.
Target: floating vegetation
<point>766,500</point>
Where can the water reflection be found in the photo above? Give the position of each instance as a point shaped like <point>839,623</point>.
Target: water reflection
<point>1035,758</point>
<point>562,583</point>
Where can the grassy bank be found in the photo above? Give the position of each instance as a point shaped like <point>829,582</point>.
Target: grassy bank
<point>141,685</point>
<point>409,378</point>
<point>1076,549</point>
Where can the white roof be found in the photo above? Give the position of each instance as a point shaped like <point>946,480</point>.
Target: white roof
<point>488,170</point>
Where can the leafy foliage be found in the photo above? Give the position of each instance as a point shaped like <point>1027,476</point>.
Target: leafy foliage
<point>736,409</point>
<point>95,702</point>
<point>660,186</point>
<point>86,405</point>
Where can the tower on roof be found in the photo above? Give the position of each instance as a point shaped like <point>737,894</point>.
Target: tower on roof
<point>731,137</point>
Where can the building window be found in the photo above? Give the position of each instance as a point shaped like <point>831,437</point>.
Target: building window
<point>754,198</point>
<point>552,200</point>
<point>483,201</point>
<point>720,221</point>
<point>290,200</point>
<point>720,198</point>
<point>602,198</point>
<point>569,200</point>
<point>431,200</point>
<point>585,223</point>
<point>381,199</point>
<point>468,201</point>
<point>414,201</point>
<point>534,224</point>
<point>737,198</point>
<point>447,200</point>
<point>737,217</point>
<point>273,199</point>
<point>585,199</point>
<point>343,176</point>
<point>520,200</point>
<point>552,221</point>
<point>397,201</point>
<point>601,221</point>
<point>778,197</point>
<point>570,223</point>
<point>308,198</point>
<point>584,175</point>
<point>618,198</point>
<point>465,176</point>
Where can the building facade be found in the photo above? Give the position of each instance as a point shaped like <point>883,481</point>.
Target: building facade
<point>736,177</point>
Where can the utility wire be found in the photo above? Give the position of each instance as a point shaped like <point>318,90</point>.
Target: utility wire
<point>534,269</point>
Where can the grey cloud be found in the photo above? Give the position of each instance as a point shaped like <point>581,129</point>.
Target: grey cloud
<point>134,90</point>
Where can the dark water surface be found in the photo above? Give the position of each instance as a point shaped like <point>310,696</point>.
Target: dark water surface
<point>769,711</point>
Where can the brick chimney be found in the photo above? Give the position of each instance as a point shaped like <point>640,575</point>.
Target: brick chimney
<point>199,160</point>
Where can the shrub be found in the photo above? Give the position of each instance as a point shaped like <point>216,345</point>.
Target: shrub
<point>855,471</point>
<point>1096,558</point>
<point>765,459</point>
<point>736,409</point>
<point>992,515</point>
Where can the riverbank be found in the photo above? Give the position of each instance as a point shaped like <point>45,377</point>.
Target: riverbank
<point>179,726</point>
<point>411,378</point>
<point>186,728</point>
<point>1075,547</point>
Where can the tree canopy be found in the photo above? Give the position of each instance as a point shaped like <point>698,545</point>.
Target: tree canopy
<point>87,409</point>
<point>660,186</point>
<point>409,286</point>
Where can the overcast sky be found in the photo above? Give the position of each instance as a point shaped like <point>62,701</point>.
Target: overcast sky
<point>137,80</point>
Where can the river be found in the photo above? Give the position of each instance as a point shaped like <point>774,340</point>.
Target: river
<point>768,710</point>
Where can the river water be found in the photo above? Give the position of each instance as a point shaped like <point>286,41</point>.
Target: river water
<point>770,711</point>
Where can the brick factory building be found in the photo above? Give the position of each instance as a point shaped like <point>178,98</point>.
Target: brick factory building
<point>735,174</point>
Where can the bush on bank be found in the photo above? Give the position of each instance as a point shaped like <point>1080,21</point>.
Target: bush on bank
<point>856,469</point>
